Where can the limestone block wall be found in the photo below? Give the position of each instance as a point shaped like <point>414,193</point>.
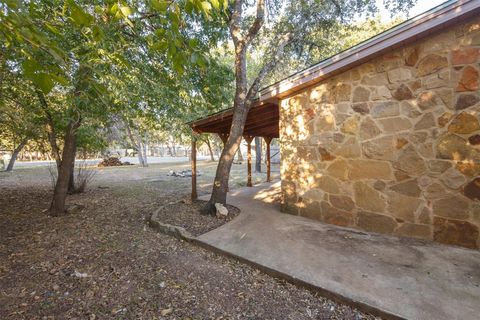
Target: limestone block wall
<point>393,145</point>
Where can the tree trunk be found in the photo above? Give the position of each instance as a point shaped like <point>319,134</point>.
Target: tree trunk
<point>209,145</point>
<point>258,154</point>
<point>239,154</point>
<point>71,181</point>
<point>241,107</point>
<point>57,206</point>
<point>15,153</point>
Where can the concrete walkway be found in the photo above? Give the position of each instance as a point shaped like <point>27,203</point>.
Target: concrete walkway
<point>391,276</point>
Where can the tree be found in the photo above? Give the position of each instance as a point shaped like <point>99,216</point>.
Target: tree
<point>73,53</point>
<point>258,154</point>
<point>289,24</point>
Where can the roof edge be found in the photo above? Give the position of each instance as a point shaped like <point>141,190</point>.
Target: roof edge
<point>406,32</point>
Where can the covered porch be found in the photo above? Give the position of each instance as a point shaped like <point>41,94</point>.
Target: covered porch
<point>262,121</point>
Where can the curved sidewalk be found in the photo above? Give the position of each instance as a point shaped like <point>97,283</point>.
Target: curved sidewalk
<point>391,276</point>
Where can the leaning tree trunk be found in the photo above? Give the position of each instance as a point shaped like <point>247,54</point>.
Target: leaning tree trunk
<point>239,154</point>
<point>71,181</point>
<point>209,145</point>
<point>258,154</point>
<point>241,107</point>
<point>57,206</point>
<point>15,153</point>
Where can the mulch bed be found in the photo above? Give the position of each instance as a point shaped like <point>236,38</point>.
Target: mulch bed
<point>186,214</point>
<point>104,262</point>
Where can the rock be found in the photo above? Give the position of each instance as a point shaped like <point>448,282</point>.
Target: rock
<point>435,191</point>
<point>375,80</point>
<point>369,169</point>
<point>307,153</point>
<point>430,64</point>
<point>222,212</point>
<point>452,147</point>
<point>474,140</point>
<point>464,123</point>
<point>446,96</point>
<point>381,148</point>
<point>385,109</point>
<point>409,188</point>
<point>325,155</point>
<point>452,206</point>
<point>453,179</point>
<point>439,166</point>
<point>380,93</point>
<point>469,168</point>
<point>350,126</point>
<point>455,232</point>
<point>342,202</point>
<point>465,56</point>
<point>415,230</point>
<point>409,110</point>
<point>368,198</point>
<point>375,222</point>
<point>403,207</point>
<point>424,216</point>
<point>427,121</point>
<point>444,119</point>
<point>349,149</point>
<point>401,142</point>
<point>472,189</point>
<point>311,210</point>
<point>336,216</point>
<point>427,100</point>
<point>468,80</point>
<point>403,92</point>
<point>338,169</point>
<point>341,92</point>
<point>410,162</point>
<point>466,100</point>
<point>396,124</point>
<point>368,129</point>
<point>361,94</point>
<point>399,75</point>
<point>327,184</point>
<point>361,107</point>
<point>412,57</point>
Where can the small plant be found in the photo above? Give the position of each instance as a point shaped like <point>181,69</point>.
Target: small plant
<point>83,175</point>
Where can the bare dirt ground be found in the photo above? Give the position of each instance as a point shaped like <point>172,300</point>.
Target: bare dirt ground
<point>103,262</point>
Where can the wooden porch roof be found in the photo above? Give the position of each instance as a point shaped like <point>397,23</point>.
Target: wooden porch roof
<point>262,121</point>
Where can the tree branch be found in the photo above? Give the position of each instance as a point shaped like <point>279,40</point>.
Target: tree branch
<point>236,22</point>
<point>258,23</point>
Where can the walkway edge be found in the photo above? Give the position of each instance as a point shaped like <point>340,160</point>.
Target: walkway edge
<point>336,297</point>
<point>182,234</point>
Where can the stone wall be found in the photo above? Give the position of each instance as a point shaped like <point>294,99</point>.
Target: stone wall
<point>393,145</point>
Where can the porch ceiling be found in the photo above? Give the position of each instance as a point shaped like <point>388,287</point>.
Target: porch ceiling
<point>262,121</point>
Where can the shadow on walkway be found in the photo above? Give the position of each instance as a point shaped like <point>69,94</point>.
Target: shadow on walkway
<point>389,275</point>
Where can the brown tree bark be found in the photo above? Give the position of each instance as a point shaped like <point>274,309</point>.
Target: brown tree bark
<point>242,100</point>
<point>15,153</point>
<point>209,145</point>
<point>57,206</point>
<point>258,154</point>
<point>71,181</point>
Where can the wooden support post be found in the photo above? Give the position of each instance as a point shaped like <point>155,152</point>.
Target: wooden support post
<point>249,159</point>
<point>194,167</point>
<point>268,140</point>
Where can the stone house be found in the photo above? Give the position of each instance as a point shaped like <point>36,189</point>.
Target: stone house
<point>385,137</point>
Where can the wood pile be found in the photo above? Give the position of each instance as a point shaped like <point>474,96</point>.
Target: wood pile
<point>112,162</point>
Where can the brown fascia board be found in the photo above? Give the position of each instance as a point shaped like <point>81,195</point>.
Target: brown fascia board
<point>445,15</point>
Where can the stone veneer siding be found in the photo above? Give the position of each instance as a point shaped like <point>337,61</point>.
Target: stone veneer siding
<point>393,145</point>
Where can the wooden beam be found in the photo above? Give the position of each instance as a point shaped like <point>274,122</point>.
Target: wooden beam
<point>249,159</point>
<point>194,167</point>
<point>268,140</point>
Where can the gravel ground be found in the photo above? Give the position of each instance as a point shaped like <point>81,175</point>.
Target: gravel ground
<point>105,263</point>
